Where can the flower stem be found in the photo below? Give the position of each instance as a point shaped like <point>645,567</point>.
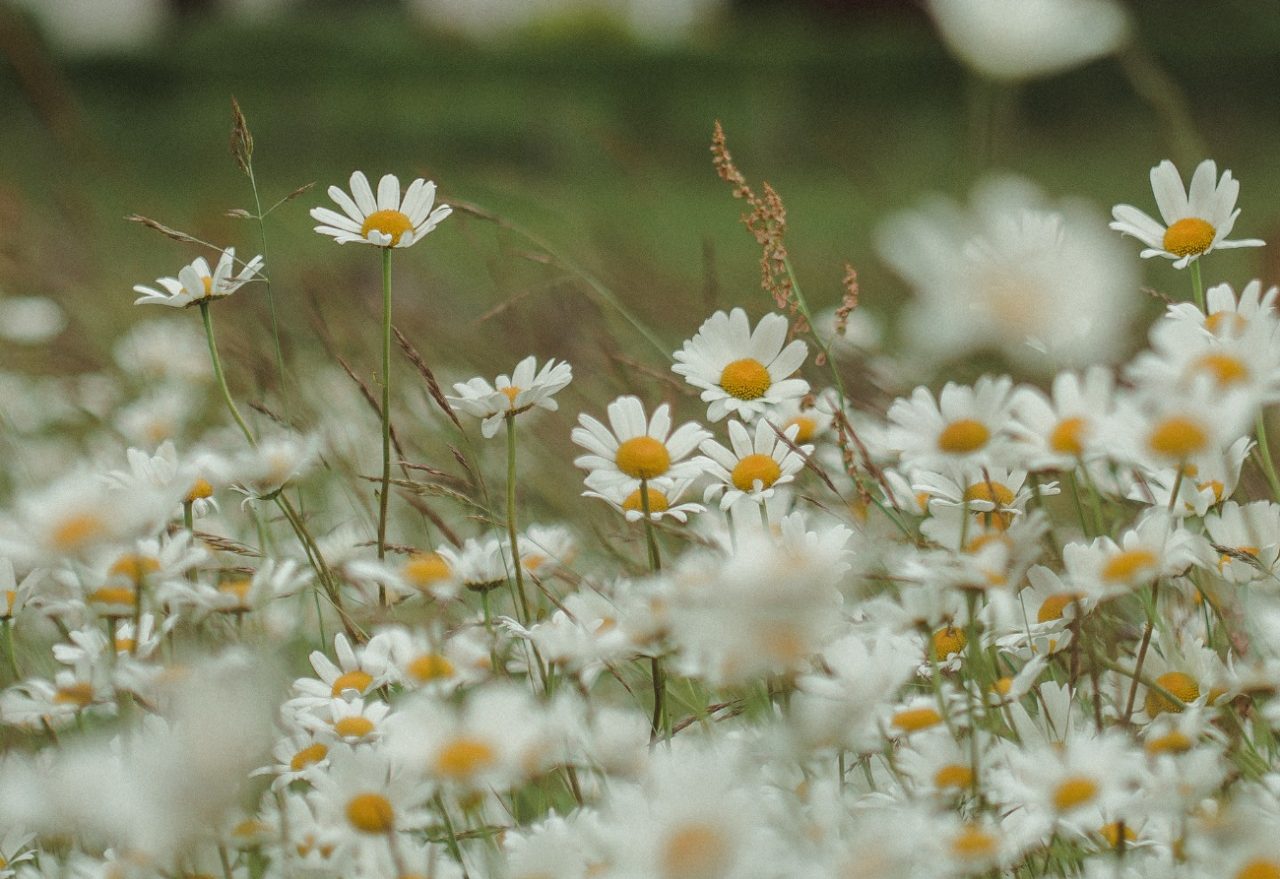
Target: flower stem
<point>221,376</point>
<point>660,717</point>
<point>1197,284</point>
<point>1264,452</point>
<point>386,409</point>
<point>511,519</point>
<point>655,559</point>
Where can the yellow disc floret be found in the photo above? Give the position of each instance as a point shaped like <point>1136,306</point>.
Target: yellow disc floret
<point>464,757</point>
<point>426,569</point>
<point>643,457</point>
<point>1128,565</point>
<point>1177,437</point>
<point>696,851</point>
<point>963,436</point>
<point>1181,685</point>
<point>916,719</point>
<point>1259,869</point>
<point>948,640</point>
<point>751,469</point>
<point>1074,791</point>
<point>391,223</point>
<point>353,680</point>
<point>658,502</point>
<point>200,489</point>
<point>1067,438</point>
<point>371,813</point>
<point>745,379</point>
<point>805,427</point>
<point>1190,236</point>
<point>313,753</point>
<point>953,775</point>
<point>429,667</point>
<point>75,531</point>
<point>355,726</point>
<point>1224,368</point>
<point>1053,607</point>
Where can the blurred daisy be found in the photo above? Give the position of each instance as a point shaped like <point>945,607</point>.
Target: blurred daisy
<point>525,388</point>
<point>384,221</point>
<point>1195,221</point>
<point>742,371</point>
<point>752,465</point>
<point>197,284</point>
<point>631,449</point>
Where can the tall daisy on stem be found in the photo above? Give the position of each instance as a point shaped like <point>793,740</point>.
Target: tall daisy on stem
<point>526,388</point>
<point>387,221</point>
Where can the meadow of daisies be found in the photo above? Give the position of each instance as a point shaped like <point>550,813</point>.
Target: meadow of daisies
<point>1026,625</point>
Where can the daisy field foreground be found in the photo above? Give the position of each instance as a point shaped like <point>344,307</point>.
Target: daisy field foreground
<point>795,626</point>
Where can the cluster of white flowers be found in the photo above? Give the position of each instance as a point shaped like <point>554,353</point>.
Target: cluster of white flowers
<point>992,629</point>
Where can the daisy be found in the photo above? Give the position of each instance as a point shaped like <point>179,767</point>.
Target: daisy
<point>1246,539</point>
<point>527,387</point>
<point>1155,547</point>
<point>479,564</point>
<point>631,449</point>
<point>1056,432</point>
<point>363,797</point>
<point>1196,221</point>
<point>965,424</point>
<point>741,371</point>
<point>196,284</point>
<point>753,466</point>
<point>1226,313</point>
<point>664,499</point>
<point>388,220</point>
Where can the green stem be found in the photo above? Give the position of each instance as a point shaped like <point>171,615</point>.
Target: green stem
<point>660,715</point>
<point>10,655</point>
<point>1264,453</point>
<point>655,558</point>
<point>1197,283</point>
<point>386,409</point>
<point>221,376</point>
<point>511,519</point>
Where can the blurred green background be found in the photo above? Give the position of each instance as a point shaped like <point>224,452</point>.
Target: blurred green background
<point>586,136</point>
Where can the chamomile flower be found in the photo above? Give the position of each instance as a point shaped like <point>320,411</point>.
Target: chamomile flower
<point>363,797</point>
<point>1246,540</point>
<point>964,424</point>
<point>1060,430</point>
<point>1155,547</point>
<point>479,564</point>
<point>526,388</point>
<point>631,449</point>
<point>1196,220</point>
<point>741,371</point>
<point>197,284</point>
<point>664,499</point>
<point>384,221</point>
<point>752,466</point>
<point>1225,313</point>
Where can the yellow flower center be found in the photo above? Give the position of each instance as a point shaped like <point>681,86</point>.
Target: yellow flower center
<point>953,775</point>
<point>755,468</point>
<point>1173,742</point>
<point>1259,869</point>
<point>237,588</point>
<point>658,502</point>
<point>745,379</point>
<point>1067,438</point>
<point>973,843</point>
<point>510,392</point>
<point>371,813</point>
<point>1074,791</point>
<point>1177,437</point>
<point>463,758</point>
<point>1217,322</point>
<point>114,595</point>
<point>312,753</point>
<point>426,569</point>
<point>1111,833</point>
<point>10,599</point>
<point>200,490</point>
<point>695,851</point>
<point>1003,686</point>
<point>124,645</point>
<point>963,436</point>
<point>1224,368</point>
<point>1181,685</point>
<point>135,567</point>
<point>1189,236</point>
<point>1128,564</point>
<point>429,667</point>
<point>1054,606</point>
<point>643,457</point>
<point>78,694</point>
<point>353,680</point>
<point>208,285</point>
<point>75,531</point>
<point>391,223</point>
<point>916,719</point>
<point>805,427</point>
<point>995,493</point>
<point>947,641</point>
<point>356,726</point>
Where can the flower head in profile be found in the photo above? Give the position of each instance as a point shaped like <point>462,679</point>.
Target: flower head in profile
<point>740,370</point>
<point>1196,220</point>
<point>196,283</point>
<point>386,220</point>
<point>527,387</point>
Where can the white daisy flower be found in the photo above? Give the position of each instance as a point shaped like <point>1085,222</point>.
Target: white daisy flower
<point>1246,539</point>
<point>196,283</point>
<point>753,466</point>
<point>525,388</point>
<point>664,499</point>
<point>1196,221</point>
<point>964,424</point>
<point>479,564</point>
<point>385,221</point>
<point>631,449</point>
<point>741,371</point>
